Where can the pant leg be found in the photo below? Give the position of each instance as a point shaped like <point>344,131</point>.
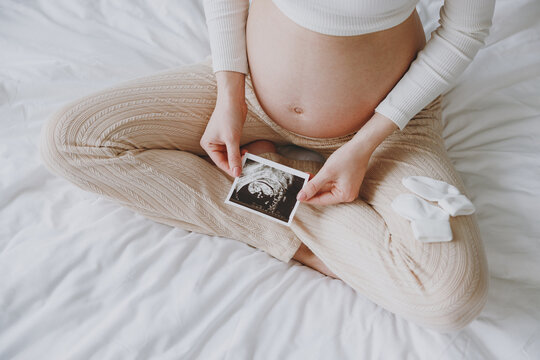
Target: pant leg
<point>138,144</point>
<point>442,286</point>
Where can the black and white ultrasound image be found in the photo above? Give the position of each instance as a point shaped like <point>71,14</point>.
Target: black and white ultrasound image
<point>267,190</point>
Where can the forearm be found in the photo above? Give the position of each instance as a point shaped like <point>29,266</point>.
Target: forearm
<point>341,176</point>
<point>231,86</point>
<point>372,134</point>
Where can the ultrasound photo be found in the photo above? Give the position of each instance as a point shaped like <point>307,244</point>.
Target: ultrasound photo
<point>267,188</point>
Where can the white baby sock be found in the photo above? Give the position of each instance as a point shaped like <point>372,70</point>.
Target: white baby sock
<point>429,223</point>
<point>447,196</point>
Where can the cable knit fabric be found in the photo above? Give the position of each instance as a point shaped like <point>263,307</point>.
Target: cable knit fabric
<point>463,28</point>
<point>138,144</point>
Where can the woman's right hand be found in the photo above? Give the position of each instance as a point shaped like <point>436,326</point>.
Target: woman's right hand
<point>221,138</point>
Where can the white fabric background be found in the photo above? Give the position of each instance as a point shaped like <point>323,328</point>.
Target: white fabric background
<point>83,278</point>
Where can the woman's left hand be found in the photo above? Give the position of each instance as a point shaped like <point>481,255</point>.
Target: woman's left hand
<point>342,174</point>
<point>339,179</point>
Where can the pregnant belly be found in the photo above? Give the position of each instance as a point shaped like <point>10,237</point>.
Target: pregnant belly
<point>320,85</point>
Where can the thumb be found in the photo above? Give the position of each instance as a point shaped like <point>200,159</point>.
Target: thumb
<point>235,162</point>
<point>312,187</point>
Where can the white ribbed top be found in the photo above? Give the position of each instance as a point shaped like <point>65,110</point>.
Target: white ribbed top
<point>463,27</point>
<point>346,17</point>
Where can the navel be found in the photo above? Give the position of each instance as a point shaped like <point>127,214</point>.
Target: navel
<point>298,110</point>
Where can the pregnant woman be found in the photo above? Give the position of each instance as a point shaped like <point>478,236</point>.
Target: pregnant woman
<point>353,80</point>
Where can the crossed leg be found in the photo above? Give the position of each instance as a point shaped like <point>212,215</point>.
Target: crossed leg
<point>442,286</point>
<point>138,143</point>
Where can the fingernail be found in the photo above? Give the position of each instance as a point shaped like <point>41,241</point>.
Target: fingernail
<point>237,171</point>
<point>301,196</point>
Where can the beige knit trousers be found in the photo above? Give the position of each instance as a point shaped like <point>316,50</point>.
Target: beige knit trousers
<point>138,143</point>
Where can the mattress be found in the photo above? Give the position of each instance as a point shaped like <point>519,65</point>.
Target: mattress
<point>84,278</point>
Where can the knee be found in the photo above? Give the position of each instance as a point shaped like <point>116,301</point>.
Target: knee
<point>462,309</point>
<point>457,302</point>
<point>447,283</point>
<point>61,147</point>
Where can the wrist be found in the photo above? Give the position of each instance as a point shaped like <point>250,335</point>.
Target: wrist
<point>373,133</point>
<point>230,86</point>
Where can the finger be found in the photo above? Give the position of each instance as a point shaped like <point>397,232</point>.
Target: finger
<point>243,152</point>
<point>220,159</point>
<point>235,162</point>
<point>324,198</point>
<point>312,187</point>
<point>217,152</point>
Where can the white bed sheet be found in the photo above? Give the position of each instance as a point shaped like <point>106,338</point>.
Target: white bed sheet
<point>83,278</point>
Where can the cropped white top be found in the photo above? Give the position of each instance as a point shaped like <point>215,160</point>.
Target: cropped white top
<point>463,27</point>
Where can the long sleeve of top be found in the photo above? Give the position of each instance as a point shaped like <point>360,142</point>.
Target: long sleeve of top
<point>463,27</point>
<point>226,22</point>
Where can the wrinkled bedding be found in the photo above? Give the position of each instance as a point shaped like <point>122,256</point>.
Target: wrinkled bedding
<point>83,278</point>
